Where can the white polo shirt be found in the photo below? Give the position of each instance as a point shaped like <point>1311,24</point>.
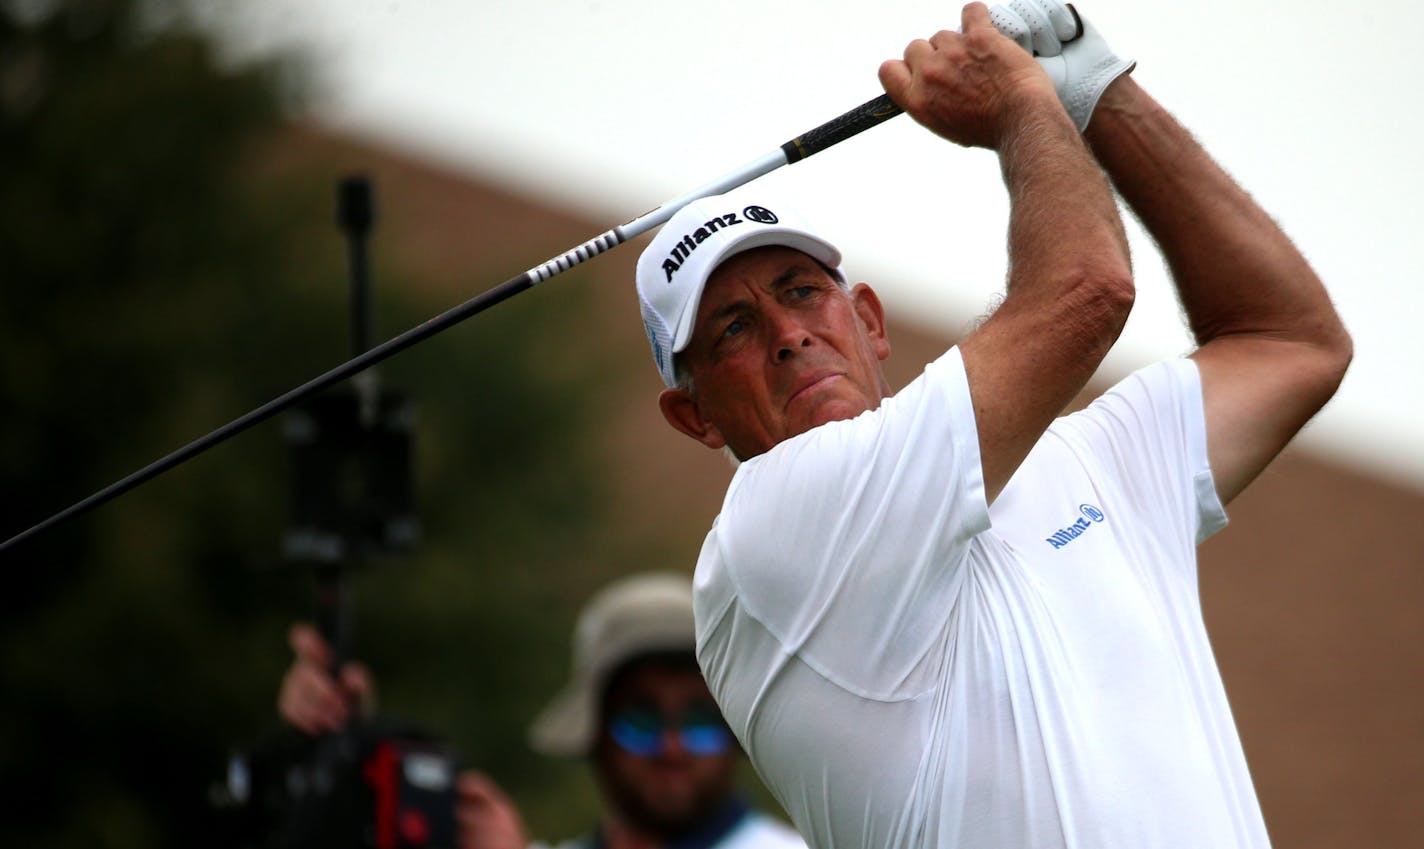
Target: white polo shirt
<point>907,667</point>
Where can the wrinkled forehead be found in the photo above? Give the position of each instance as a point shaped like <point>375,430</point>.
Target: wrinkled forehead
<point>760,269</point>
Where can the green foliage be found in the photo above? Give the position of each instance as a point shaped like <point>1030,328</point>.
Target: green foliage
<point>150,290</point>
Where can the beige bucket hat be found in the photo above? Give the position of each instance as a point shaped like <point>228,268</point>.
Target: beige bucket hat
<point>640,614</point>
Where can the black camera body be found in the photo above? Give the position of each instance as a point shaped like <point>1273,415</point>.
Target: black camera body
<point>378,785</point>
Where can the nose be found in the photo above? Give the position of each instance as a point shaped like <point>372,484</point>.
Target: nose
<point>673,746</point>
<point>789,333</point>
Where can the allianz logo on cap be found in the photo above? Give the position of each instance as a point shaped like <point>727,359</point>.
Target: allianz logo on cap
<point>1091,516</point>
<point>689,241</point>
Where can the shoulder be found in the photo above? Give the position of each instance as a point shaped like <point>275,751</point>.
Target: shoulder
<point>1167,383</point>
<point>1161,401</point>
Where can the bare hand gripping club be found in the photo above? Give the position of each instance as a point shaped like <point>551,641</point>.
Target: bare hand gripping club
<point>839,129</point>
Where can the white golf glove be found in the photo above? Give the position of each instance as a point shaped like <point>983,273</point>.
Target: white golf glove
<point>1081,68</point>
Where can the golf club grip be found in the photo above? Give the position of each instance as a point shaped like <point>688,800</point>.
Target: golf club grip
<point>863,117</point>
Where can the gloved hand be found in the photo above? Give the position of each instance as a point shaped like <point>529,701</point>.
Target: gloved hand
<point>1070,49</point>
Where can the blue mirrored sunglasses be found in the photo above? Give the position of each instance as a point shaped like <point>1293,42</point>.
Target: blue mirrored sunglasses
<point>643,732</point>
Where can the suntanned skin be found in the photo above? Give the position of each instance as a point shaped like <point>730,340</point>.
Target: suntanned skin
<point>778,348</point>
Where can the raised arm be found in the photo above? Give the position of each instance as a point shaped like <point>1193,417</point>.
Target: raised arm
<point>1070,281</point>
<point>1272,349</point>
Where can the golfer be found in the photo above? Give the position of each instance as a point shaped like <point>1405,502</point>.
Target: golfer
<point>952,616</point>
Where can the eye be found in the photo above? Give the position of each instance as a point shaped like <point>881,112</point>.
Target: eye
<point>640,720</point>
<point>802,292</point>
<point>733,328</point>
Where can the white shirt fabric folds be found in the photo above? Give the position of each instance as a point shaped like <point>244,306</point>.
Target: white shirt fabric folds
<point>909,667</point>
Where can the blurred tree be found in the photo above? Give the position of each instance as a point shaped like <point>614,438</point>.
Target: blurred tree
<point>150,291</point>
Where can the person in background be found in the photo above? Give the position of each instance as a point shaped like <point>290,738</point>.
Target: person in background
<point>636,708</point>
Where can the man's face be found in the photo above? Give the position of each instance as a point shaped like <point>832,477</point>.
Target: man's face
<point>777,349</point>
<point>672,790</point>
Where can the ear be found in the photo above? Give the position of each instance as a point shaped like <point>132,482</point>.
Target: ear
<point>872,316</point>
<point>681,411</point>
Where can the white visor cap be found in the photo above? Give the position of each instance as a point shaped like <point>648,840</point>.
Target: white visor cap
<point>673,269</point>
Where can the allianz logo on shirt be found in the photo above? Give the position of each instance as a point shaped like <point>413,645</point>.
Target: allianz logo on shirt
<point>1063,536</point>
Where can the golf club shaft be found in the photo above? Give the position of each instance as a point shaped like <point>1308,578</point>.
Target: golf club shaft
<point>836,130</point>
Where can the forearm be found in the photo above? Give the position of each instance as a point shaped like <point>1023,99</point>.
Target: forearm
<point>1064,226</point>
<point>1070,281</point>
<point>1069,291</point>
<point>1236,272</point>
<point>1272,349</point>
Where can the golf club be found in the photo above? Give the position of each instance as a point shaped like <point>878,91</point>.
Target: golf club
<point>814,141</point>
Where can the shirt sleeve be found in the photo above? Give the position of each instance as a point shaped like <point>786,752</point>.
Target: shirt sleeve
<point>1149,433</point>
<point>844,543</point>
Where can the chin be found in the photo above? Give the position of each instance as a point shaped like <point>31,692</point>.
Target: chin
<point>835,411</point>
<point>673,818</point>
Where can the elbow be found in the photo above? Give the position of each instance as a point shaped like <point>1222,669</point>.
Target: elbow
<point>1089,308</point>
<point>1120,292</point>
<point>1338,350</point>
<point>1106,296</point>
<point>1333,346</point>
<point>1325,358</point>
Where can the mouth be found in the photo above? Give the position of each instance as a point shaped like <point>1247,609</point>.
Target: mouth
<point>813,385</point>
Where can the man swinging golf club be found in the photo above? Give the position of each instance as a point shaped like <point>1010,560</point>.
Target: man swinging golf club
<point>951,616</point>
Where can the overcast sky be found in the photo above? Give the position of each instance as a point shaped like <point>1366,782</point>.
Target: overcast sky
<point>614,106</point>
